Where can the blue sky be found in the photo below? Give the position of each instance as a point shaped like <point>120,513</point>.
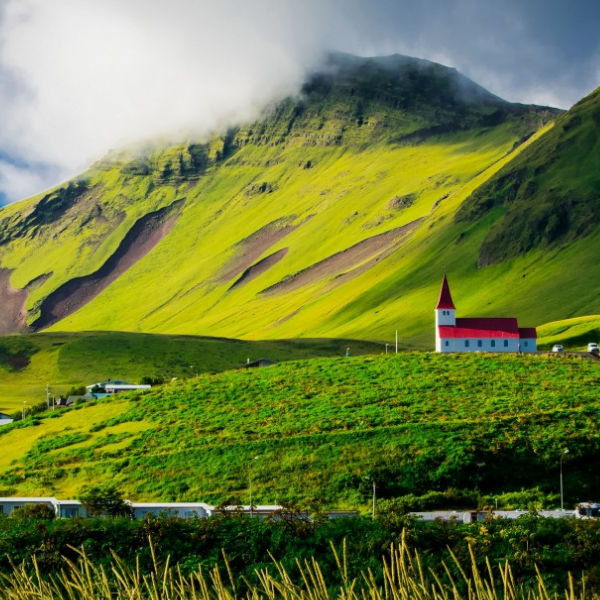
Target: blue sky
<point>79,77</point>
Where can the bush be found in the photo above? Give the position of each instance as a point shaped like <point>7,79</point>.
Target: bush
<point>40,512</point>
<point>156,380</point>
<point>104,500</point>
<point>77,391</point>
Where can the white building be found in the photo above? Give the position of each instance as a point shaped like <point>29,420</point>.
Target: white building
<point>5,419</point>
<point>109,388</point>
<point>478,335</point>
<point>186,510</point>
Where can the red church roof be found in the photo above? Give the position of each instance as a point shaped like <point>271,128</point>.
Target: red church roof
<point>445,300</point>
<point>481,328</point>
<point>487,328</point>
<point>528,333</point>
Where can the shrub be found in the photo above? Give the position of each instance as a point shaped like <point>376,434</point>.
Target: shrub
<point>104,500</point>
<point>41,512</point>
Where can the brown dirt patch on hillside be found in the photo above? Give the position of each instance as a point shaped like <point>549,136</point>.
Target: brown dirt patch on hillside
<point>13,313</point>
<point>260,267</point>
<point>360,258</point>
<point>250,249</point>
<point>145,234</point>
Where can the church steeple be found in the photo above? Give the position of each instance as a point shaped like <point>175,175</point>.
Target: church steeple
<point>445,313</point>
<point>445,299</point>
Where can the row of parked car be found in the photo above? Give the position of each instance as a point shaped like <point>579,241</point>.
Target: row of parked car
<point>592,348</point>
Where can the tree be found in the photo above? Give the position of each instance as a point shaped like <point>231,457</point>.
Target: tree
<point>104,501</point>
<point>41,512</point>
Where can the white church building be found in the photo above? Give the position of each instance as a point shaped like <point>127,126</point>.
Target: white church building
<point>478,335</point>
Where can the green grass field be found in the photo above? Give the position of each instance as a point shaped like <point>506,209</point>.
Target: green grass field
<point>415,422</point>
<point>66,360</point>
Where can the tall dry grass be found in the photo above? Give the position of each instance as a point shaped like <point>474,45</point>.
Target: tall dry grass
<point>403,579</point>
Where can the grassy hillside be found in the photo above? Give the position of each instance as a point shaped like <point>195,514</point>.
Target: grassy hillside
<point>415,422</point>
<point>65,360</point>
<point>549,194</point>
<point>573,334</point>
<point>332,216</point>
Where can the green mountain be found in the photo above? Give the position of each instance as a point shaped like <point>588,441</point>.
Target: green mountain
<point>335,214</point>
<point>549,195</point>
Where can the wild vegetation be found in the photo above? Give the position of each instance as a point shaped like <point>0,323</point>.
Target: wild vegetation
<point>292,558</point>
<point>67,362</point>
<point>485,426</point>
<point>280,223</point>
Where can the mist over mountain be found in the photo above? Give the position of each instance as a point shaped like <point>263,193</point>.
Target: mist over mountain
<point>81,77</point>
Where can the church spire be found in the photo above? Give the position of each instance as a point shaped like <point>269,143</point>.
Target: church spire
<point>445,300</point>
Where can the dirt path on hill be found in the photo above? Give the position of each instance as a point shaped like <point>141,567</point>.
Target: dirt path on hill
<point>339,264</point>
<point>145,234</point>
<point>13,313</point>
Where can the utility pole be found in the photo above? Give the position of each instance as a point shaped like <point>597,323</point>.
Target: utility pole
<point>396,341</point>
<point>250,483</point>
<point>561,480</point>
<point>374,497</point>
<point>47,395</point>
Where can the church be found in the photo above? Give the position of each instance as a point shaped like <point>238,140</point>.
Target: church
<point>478,335</point>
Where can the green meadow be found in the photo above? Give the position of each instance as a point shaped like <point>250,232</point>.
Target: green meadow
<point>64,361</point>
<point>324,429</point>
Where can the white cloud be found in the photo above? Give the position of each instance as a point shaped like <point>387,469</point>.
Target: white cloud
<point>79,77</point>
<point>93,75</point>
<point>23,182</point>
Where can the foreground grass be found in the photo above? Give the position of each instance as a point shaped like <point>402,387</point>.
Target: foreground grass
<point>324,429</point>
<point>64,360</point>
<point>402,576</point>
<point>556,546</point>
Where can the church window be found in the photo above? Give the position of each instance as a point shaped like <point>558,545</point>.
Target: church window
<point>479,343</point>
<point>466,343</point>
<point>447,343</point>
<point>506,343</point>
<point>526,344</point>
<point>493,343</point>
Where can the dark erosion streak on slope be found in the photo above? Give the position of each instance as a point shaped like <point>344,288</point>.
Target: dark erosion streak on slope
<point>145,234</point>
<point>259,268</point>
<point>250,249</point>
<point>337,264</point>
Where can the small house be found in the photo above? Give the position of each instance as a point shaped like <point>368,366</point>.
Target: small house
<point>254,364</point>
